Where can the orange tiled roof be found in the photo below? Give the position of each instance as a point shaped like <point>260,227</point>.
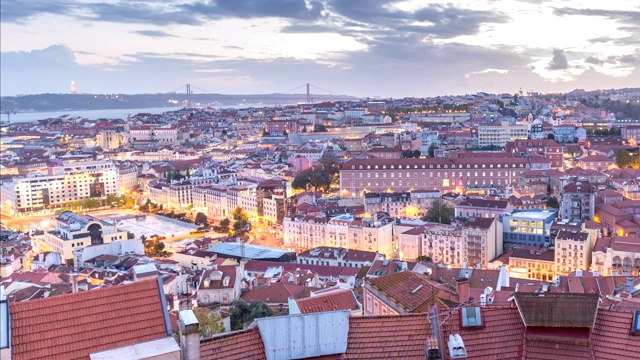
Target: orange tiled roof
<point>74,325</point>
<point>335,300</point>
<point>244,344</point>
<point>387,337</point>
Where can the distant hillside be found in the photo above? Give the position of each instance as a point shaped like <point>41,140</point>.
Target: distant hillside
<point>62,102</point>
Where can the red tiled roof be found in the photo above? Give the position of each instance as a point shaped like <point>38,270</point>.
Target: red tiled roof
<point>277,293</point>
<point>74,325</point>
<point>335,300</point>
<point>244,344</point>
<point>387,337</point>
<point>610,336</point>
<point>561,344</point>
<point>500,338</point>
<point>407,289</point>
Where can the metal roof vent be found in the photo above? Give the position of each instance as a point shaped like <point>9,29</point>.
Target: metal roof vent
<point>456,347</point>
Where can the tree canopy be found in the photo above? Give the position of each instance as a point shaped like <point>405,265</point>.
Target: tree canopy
<point>439,212</point>
<point>243,313</point>
<point>210,322</point>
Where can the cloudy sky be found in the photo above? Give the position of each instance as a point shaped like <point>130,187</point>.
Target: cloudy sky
<point>355,47</point>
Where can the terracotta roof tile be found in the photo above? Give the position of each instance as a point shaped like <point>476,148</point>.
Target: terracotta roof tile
<point>244,344</point>
<point>407,289</point>
<point>610,336</point>
<point>74,325</point>
<point>387,337</point>
<point>500,338</point>
<point>335,300</point>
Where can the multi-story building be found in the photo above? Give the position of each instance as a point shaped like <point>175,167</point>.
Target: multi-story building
<point>547,148</point>
<point>428,138</point>
<point>499,135</point>
<point>596,162</point>
<point>631,133</point>
<point>74,232</point>
<point>482,208</point>
<point>374,233</point>
<point>578,201</point>
<point>162,134</point>
<point>280,126</point>
<point>617,256</point>
<point>564,133</point>
<point>128,174</point>
<point>273,208</point>
<point>332,256</point>
<point>532,264</point>
<point>471,243</point>
<point>573,250</point>
<point>72,181</point>
<point>529,227</point>
<point>405,204</point>
<point>451,174</point>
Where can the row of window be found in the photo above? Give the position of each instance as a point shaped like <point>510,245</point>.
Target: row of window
<point>423,166</point>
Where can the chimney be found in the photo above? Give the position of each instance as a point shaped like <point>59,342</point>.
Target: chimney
<point>628,285</point>
<point>74,281</point>
<point>462,289</point>
<point>189,335</point>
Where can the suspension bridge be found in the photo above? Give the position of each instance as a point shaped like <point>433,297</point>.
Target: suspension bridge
<point>304,93</point>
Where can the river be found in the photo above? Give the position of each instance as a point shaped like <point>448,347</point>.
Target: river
<point>91,114</point>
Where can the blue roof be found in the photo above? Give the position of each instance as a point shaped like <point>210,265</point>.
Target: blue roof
<point>250,251</point>
<point>529,214</point>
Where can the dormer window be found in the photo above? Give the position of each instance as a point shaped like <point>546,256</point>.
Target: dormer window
<point>470,317</point>
<point>635,325</point>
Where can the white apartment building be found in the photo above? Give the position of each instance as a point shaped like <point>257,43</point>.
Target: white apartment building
<point>499,135</point>
<point>472,243</point>
<point>179,195</point>
<point>163,134</point>
<point>74,232</point>
<point>354,113</point>
<point>128,178</point>
<point>374,233</point>
<point>427,138</point>
<point>273,208</point>
<point>72,181</point>
<point>332,256</point>
<point>573,250</point>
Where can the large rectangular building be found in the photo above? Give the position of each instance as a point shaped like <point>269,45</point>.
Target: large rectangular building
<point>499,135</point>
<point>73,181</point>
<point>451,174</point>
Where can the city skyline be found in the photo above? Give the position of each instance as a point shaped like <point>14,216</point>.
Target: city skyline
<point>387,49</point>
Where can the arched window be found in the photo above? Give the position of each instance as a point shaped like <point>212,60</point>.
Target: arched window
<point>617,261</point>
<point>627,262</point>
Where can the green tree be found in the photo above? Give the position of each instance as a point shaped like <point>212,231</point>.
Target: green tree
<point>439,212</point>
<point>239,214</point>
<point>169,177</point>
<point>432,149</point>
<point>552,202</point>
<point>424,258</point>
<point>243,313</point>
<point>130,235</point>
<point>201,219</point>
<point>319,128</point>
<point>623,158</point>
<point>210,322</point>
<point>302,180</point>
<point>224,225</point>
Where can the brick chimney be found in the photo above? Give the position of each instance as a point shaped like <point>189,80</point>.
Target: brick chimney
<point>189,335</point>
<point>462,289</point>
